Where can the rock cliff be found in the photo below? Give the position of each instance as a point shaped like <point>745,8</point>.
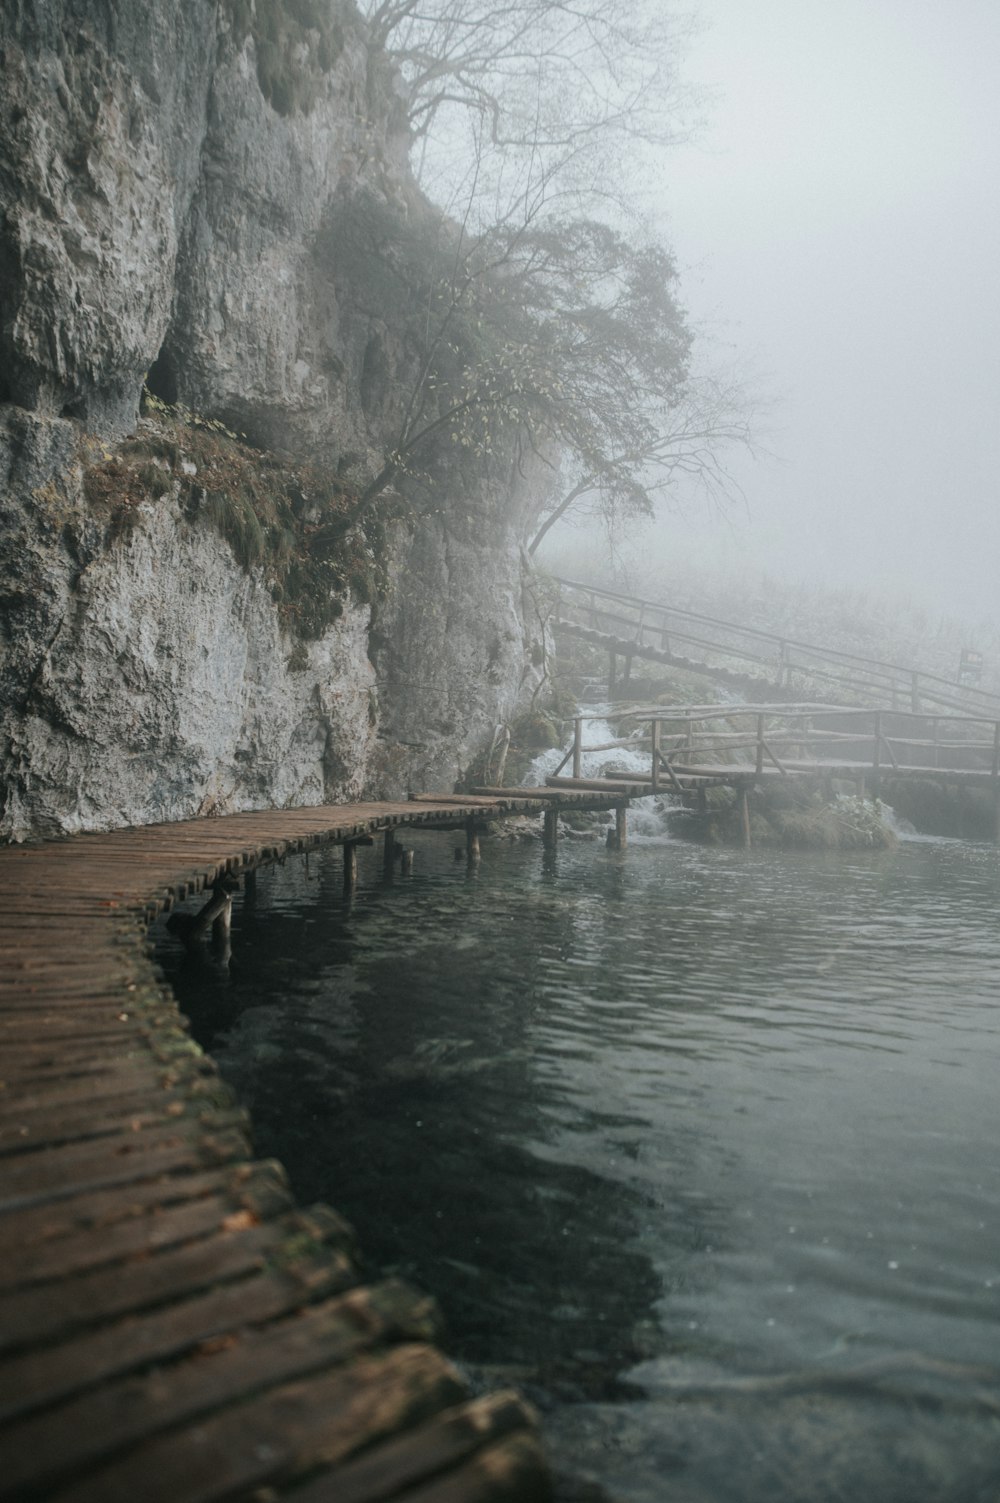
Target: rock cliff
<point>173,181</point>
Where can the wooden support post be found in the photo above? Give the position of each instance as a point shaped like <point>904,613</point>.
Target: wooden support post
<point>655,737</point>
<point>472,850</point>
<point>550,829</point>
<point>745,815</point>
<point>702,799</point>
<point>389,854</point>
<point>639,627</point>
<point>621,826</point>
<point>190,927</point>
<point>406,862</point>
<point>627,675</point>
<point>612,672</point>
<point>578,747</point>
<point>782,664</point>
<point>222,925</point>
<point>915,692</point>
<point>350,865</point>
<point>760,746</point>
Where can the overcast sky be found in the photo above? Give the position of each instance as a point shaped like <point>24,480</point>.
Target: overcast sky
<point>839,223</point>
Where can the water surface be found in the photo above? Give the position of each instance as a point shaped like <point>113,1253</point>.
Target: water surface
<point>699,1147</point>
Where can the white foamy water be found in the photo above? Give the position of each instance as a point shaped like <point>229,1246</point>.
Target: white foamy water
<point>647,816</point>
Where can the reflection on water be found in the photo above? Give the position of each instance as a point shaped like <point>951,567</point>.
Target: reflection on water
<point>697,1146</point>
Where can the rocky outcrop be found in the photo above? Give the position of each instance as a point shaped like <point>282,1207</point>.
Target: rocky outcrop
<point>172,179</point>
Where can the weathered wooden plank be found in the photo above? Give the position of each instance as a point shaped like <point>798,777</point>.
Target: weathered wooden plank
<point>282,1435</point>
<point>130,1111</point>
<point>511,1471</point>
<point>45,1448</point>
<point>99,1165</point>
<point>69,1257</point>
<point>438,1448</point>
<point>238,1248</point>
<point>260,1186</point>
<point>187,1081</point>
<point>82,1127</point>
<point>41,1376</point>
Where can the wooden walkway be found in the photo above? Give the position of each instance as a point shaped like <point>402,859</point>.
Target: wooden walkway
<point>173,1327</point>
<point>690,748</point>
<point>748,658</point>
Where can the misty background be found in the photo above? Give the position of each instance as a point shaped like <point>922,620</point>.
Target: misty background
<point>837,230</point>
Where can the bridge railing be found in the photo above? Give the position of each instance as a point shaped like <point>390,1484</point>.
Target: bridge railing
<point>727,742</point>
<point>670,633</point>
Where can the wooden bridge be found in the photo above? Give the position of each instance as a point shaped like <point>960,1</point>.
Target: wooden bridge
<point>690,748</point>
<point>173,1327</point>
<point>749,659</point>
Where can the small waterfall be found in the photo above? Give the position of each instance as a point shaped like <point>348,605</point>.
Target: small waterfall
<point>647,816</point>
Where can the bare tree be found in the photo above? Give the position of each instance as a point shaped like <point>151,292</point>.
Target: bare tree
<point>537,78</point>
<point>543,320</point>
<point>555,337</point>
<point>687,440</point>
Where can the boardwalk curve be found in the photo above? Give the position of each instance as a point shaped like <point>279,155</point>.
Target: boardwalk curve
<point>172,1325</point>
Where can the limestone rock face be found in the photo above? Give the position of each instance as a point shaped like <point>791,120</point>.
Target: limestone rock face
<point>171,181</point>
<point>104,117</point>
<point>150,679</point>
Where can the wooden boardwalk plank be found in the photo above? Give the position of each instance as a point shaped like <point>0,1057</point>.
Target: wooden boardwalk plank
<point>43,1375</point>
<point>282,1435</point>
<point>73,1435</point>
<point>170,1325</point>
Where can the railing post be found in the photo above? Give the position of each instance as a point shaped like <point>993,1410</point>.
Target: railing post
<point>782,664</point>
<point>656,725</point>
<point>639,624</point>
<point>578,747</point>
<point>760,745</point>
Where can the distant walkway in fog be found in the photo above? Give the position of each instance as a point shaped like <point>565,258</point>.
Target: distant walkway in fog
<point>748,658</point>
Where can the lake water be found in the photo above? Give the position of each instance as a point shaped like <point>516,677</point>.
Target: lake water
<point>699,1147</point>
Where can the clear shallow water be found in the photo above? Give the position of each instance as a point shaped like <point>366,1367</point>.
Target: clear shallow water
<point>700,1147</point>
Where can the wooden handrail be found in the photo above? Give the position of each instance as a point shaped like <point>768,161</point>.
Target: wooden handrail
<point>902,679</point>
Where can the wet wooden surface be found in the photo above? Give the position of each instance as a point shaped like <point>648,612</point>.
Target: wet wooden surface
<point>172,1325</point>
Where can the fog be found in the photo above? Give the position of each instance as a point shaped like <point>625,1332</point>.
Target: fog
<point>837,226</point>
